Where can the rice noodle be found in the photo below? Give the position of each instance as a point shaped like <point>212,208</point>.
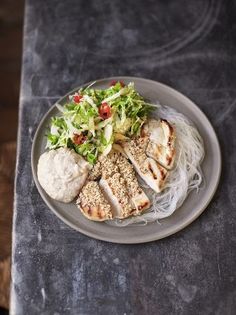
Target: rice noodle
<point>185,176</point>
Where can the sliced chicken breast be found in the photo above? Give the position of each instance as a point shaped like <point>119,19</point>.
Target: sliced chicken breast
<point>105,166</point>
<point>93,204</point>
<point>115,191</point>
<point>138,197</point>
<point>151,172</point>
<point>120,186</point>
<point>161,144</point>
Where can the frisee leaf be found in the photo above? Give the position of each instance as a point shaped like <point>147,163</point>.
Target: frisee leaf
<point>128,108</point>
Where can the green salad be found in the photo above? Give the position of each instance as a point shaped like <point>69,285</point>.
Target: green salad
<point>92,120</point>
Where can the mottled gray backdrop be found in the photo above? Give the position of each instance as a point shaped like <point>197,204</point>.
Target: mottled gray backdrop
<point>189,45</point>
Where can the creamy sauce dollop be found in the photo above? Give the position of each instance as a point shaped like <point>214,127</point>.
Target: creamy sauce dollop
<point>62,173</point>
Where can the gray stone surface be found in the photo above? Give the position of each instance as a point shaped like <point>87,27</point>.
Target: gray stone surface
<point>187,44</point>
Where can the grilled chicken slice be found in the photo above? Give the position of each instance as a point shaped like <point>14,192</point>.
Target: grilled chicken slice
<point>121,187</point>
<point>161,144</point>
<point>93,204</point>
<point>138,197</point>
<point>151,172</point>
<point>115,191</point>
<point>119,184</point>
<point>105,166</point>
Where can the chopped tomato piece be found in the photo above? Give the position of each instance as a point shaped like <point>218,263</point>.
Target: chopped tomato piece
<point>104,110</point>
<point>79,139</point>
<point>114,83</point>
<point>77,98</point>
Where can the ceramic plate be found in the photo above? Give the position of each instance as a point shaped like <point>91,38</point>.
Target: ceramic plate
<point>193,205</point>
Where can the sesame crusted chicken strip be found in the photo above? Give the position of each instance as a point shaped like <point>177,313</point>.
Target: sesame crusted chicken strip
<point>161,144</point>
<point>105,166</point>
<point>151,172</point>
<point>137,195</point>
<point>115,191</point>
<point>121,187</point>
<point>109,165</point>
<point>113,186</point>
<point>93,204</point>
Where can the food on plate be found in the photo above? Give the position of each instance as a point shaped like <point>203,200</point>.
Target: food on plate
<point>93,204</point>
<point>92,119</point>
<point>115,194</point>
<point>120,186</point>
<point>62,173</point>
<point>161,144</point>
<point>138,198</point>
<point>127,160</point>
<point>148,169</point>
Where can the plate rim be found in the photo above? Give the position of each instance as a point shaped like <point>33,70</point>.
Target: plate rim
<point>148,238</point>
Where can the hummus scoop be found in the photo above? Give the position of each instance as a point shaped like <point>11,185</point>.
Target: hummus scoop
<point>62,173</point>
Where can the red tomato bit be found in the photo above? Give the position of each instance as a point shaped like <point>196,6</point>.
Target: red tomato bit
<point>77,98</point>
<point>79,139</point>
<point>114,83</point>
<point>104,110</point>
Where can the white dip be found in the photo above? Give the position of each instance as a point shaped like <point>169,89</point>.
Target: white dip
<point>62,173</point>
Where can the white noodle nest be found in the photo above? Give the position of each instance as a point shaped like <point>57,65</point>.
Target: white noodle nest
<point>185,176</point>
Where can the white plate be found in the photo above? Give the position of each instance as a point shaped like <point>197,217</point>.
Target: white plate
<point>193,205</point>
